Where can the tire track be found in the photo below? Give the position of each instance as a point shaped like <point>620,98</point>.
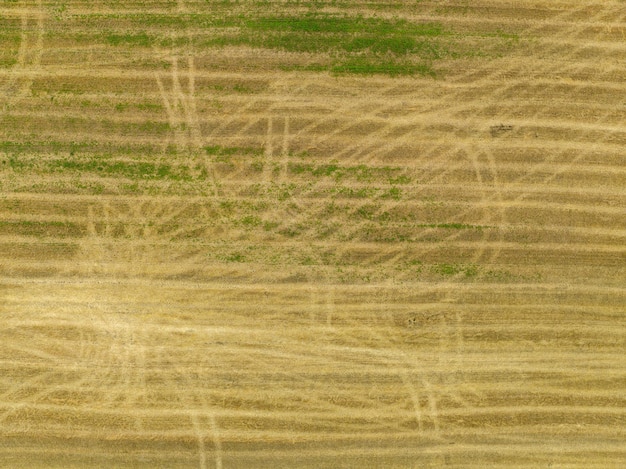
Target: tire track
<point>100,362</point>
<point>180,108</point>
<point>138,234</point>
<point>187,397</point>
<point>28,56</point>
<point>269,152</point>
<point>406,370</point>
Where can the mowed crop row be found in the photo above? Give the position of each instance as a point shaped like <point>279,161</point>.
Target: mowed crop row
<point>312,234</point>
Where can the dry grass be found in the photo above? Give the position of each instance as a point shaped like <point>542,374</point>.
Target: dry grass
<point>224,246</point>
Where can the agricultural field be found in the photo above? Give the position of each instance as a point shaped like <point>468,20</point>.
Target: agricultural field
<point>313,234</point>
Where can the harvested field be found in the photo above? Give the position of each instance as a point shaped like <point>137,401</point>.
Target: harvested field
<point>313,234</point>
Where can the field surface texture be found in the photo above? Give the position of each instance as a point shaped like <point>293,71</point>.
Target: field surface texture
<point>313,234</point>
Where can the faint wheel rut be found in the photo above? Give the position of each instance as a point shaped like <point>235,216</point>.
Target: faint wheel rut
<point>131,238</point>
<point>29,55</point>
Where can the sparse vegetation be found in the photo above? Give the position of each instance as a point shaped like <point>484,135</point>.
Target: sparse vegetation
<point>351,43</point>
<point>317,233</point>
<point>135,39</point>
<point>362,45</point>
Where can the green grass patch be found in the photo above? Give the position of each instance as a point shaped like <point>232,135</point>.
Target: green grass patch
<point>222,154</point>
<point>9,44</point>
<point>99,149</point>
<point>394,193</point>
<point>250,221</point>
<point>40,228</point>
<point>361,173</point>
<point>349,43</point>
<point>325,23</point>
<point>149,107</point>
<point>233,257</point>
<point>127,169</point>
<point>138,40</point>
<point>357,44</point>
<point>354,192</point>
<point>453,226</point>
<point>7,62</point>
<point>367,66</point>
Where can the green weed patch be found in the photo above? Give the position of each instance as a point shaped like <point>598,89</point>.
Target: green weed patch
<point>127,169</point>
<point>139,39</point>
